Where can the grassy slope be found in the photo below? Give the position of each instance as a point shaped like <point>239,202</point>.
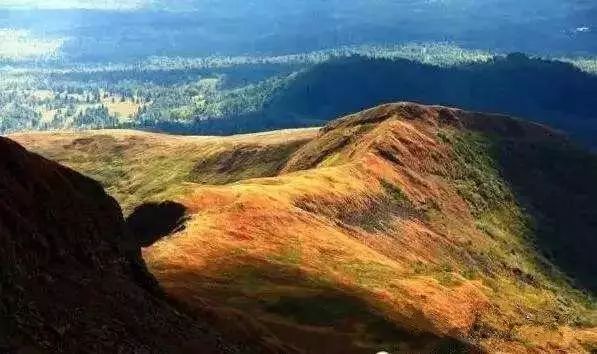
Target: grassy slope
<point>392,230</point>
<point>138,167</point>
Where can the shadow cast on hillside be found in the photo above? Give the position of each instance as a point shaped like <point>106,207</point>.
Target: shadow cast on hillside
<point>151,221</point>
<point>555,184</point>
<point>313,314</point>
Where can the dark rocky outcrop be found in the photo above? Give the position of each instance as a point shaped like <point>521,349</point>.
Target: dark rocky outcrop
<point>71,279</point>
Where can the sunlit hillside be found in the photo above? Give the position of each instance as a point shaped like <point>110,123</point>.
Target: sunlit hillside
<point>138,167</point>
<point>402,228</point>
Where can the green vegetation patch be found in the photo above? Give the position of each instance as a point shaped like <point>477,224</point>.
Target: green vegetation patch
<point>476,173</point>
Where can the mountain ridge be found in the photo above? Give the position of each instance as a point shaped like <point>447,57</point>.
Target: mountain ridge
<point>401,228</point>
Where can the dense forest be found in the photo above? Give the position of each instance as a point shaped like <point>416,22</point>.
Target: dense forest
<point>551,92</point>
<point>230,95</point>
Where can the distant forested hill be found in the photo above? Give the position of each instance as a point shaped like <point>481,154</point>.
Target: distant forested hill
<point>550,92</point>
<point>229,95</point>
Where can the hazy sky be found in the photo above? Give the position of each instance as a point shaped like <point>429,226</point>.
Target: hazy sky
<point>197,4</point>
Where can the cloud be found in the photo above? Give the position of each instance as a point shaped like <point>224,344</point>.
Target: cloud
<point>76,4</point>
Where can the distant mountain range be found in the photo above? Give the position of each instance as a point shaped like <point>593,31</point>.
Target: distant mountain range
<point>551,92</point>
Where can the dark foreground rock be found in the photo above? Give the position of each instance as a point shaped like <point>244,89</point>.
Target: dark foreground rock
<point>71,280</point>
